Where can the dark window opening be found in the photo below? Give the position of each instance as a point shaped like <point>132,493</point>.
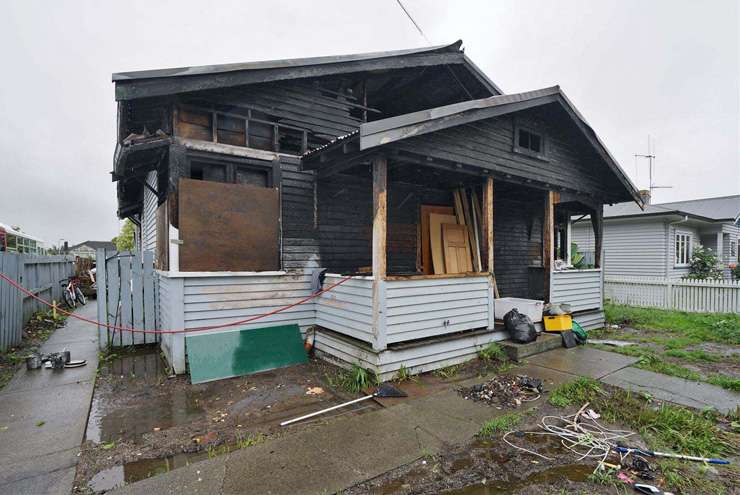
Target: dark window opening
<point>529,141</point>
<point>208,171</point>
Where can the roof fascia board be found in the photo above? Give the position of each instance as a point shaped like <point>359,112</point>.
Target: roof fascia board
<point>673,213</point>
<point>133,89</point>
<point>372,135</point>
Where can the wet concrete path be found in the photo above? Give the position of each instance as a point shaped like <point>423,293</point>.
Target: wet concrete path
<point>43,414</point>
<point>346,451</point>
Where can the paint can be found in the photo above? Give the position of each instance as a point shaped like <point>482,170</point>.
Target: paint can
<point>33,362</point>
<point>67,356</point>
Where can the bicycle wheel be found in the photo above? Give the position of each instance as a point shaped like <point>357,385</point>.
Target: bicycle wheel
<point>80,296</point>
<point>68,299</point>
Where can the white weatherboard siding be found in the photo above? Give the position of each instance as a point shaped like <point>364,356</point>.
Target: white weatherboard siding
<point>149,215</point>
<point>224,298</point>
<point>630,248</point>
<point>348,308</point>
<point>435,306</point>
<point>170,307</point>
<point>579,288</point>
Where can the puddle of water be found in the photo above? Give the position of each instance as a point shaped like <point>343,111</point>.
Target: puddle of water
<point>571,472</point>
<point>111,422</point>
<point>118,476</point>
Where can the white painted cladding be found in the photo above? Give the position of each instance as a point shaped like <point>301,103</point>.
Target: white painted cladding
<point>579,288</point>
<point>417,309</point>
<point>347,308</point>
<point>218,299</point>
<point>630,248</point>
<point>149,215</point>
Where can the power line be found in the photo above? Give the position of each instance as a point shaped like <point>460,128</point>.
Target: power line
<point>418,28</point>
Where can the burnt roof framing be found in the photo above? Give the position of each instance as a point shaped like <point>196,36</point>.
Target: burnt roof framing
<point>143,84</point>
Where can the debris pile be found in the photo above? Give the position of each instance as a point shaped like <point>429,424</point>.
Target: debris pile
<point>504,391</point>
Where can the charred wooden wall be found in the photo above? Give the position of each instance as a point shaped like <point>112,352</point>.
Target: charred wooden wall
<point>568,163</point>
<point>300,246</point>
<point>345,221</point>
<point>518,216</point>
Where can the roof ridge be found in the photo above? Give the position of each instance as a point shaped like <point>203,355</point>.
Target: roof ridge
<point>698,199</point>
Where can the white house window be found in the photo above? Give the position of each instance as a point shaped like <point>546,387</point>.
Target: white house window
<point>683,248</point>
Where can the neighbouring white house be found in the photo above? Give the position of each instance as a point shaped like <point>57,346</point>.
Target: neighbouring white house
<point>88,249</point>
<point>659,240</point>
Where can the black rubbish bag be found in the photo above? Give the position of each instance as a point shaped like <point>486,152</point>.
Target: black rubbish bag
<point>520,327</point>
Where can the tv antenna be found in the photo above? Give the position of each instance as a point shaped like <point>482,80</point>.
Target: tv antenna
<point>651,164</point>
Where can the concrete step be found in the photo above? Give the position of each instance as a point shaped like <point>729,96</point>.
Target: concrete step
<point>545,342</point>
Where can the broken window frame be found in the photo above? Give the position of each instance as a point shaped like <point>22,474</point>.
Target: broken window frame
<point>271,168</point>
<point>525,150</point>
<point>279,132</point>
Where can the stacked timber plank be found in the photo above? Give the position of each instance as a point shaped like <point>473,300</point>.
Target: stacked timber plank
<point>451,236</point>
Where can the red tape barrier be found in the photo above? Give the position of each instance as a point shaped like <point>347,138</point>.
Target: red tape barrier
<point>182,330</point>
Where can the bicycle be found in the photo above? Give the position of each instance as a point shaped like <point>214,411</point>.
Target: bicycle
<point>71,292</point>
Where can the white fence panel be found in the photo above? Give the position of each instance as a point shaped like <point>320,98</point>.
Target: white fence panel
<point>126,297</point>
<point>698,296</point>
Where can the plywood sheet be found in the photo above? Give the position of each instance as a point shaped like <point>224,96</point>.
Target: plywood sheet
<point>426,247</point>
<point>435,239</point>
<point>228,227</point>
<point>215,356</point>
<point>456,248</point>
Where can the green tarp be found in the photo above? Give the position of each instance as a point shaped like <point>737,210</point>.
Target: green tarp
<point>213,356</point>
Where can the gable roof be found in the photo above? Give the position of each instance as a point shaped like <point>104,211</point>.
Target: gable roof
<point>95,245</point>
<point>723,208</point>
<point>385,131</point>
<point>158,82</point>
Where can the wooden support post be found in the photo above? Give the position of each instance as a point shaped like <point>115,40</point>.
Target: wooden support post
<point>488,223</point>
<point>597,221</point>
<point>380,213</point>
<point>547,241</point>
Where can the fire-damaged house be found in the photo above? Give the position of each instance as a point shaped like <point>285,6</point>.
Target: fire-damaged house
<point>410,170</point>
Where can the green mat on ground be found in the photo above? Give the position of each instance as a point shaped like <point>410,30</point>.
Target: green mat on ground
<point>214,356</point>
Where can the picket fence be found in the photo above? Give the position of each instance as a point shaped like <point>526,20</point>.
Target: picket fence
<point>126,297</point>
<point>696,296</point>
<point>39,274</point>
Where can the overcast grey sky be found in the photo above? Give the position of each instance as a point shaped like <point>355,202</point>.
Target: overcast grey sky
<point>669,69</point>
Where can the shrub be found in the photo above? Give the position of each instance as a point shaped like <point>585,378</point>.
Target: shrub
<point>704,264</point>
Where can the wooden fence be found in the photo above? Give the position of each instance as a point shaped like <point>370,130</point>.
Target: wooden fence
<point>39,274</point>
<point>699,296</point>
<point>126,297</point>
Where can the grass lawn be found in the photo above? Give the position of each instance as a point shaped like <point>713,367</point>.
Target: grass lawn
<point>696,346</point>
<point>664,427</point>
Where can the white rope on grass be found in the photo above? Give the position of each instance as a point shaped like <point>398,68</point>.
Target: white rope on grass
<point>579,433</point>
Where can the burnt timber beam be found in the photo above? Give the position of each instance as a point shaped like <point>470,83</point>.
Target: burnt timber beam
<point>597,221</point>
<point>380,219</point>
<point>547,241</point>
<point>143,88</point>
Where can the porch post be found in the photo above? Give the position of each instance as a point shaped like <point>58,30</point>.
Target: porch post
<point>597,221</point>
<point>488,248</point>
<point>380,213</point>
<point>488,223</point>
<point>547,241</point>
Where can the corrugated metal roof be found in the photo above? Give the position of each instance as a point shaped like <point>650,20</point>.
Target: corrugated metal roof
<point>719,208</point>
<point>278,64</point>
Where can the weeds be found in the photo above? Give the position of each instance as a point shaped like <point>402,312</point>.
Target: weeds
<point>250,440</point>
<point>492,352</point>
<point>404,374</point>
<point>499,424</point>
<point>579,392</point>
<point>693,356</point>
<point>353,380</point>
<point>448,372</point>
